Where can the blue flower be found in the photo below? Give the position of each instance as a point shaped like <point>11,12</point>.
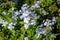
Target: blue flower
<point>26,38</point>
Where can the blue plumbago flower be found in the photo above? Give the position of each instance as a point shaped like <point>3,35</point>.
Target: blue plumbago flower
<point>16,13</point>
<point>14,20</point>
<point>33,22</point>
<point>21,17</point>
<point>24,14</point>
<point>32,7</point>
<point>36,5</point>
<point>33,14</point>
<point>24,7</point>
<point>41,25</point>
<point>26,20</point>
<point>20,11</point>
<point>26,26</point>
<point>27,15</point>
<point>45,23</point>
<point>54,19</point>
<point>4,23</point>
<point>53,23</point>
<point>26,38</point>
<point>49,22</point>
<point>10,26</point>
<point>13,14</point>
<point>40,31</point>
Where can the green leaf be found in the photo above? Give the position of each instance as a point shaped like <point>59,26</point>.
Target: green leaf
<point>52,36</point>
<point>5,18</point>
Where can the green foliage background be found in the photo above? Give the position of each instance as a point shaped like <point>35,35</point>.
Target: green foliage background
<point>19,32</point>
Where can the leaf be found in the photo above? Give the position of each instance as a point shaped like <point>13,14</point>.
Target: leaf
<point>5,18</point>
<point>21,38</point>
<point>53,8</point>
<point>22,30</point>
<point>21,22</point>
<point>46,3</point>
<point>52,36</point>
<point>1,38</point>
<point>59,10</point>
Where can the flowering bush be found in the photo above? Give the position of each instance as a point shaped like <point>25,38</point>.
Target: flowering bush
<point>30,20</point>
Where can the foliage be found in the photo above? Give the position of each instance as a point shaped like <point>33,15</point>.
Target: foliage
<point>50,7</point>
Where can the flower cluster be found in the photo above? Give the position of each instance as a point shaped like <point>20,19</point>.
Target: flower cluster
<point>3,22</point>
